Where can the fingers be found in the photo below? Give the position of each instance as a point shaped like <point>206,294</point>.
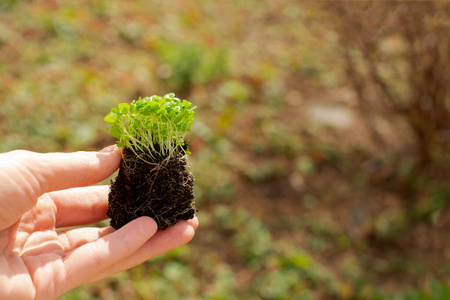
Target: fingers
<point>193,222</point>
<point>73,238</point>
<point>79,206</point>
<point>101,254</point>
<point>161,242</point>
<point>27,175</point>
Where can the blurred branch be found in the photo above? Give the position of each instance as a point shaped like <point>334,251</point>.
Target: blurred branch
<point>358,86</point>
<point>417,87</point>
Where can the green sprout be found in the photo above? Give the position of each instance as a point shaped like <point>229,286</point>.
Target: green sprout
<point>152,124</point>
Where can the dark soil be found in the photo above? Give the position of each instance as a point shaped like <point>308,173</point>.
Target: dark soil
<point>157,187</point>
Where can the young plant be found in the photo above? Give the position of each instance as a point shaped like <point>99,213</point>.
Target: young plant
<point>153,124</point>
<point>153,178</point>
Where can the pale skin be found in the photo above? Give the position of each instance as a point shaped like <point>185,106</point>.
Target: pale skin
<point>40,193</point>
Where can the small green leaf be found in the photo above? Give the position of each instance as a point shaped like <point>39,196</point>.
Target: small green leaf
<point>109,118</point>
<point>115,131</point>
<point>124,107</point>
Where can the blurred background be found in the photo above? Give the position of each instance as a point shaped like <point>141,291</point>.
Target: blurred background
<point>320,146</point>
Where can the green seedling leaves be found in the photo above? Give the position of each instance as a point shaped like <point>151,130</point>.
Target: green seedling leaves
<point>150,121</point>
<point>110,118</point>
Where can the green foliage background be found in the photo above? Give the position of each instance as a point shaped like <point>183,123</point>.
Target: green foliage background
<point>303,190</point>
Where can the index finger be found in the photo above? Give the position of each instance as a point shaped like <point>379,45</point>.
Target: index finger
<point>80,206</point>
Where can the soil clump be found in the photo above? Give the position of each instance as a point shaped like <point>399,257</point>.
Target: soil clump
<point>152,185</point>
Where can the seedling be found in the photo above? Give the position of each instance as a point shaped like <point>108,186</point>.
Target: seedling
<point>153,178</point>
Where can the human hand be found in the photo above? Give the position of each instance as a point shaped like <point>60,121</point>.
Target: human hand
<point>42,192</point>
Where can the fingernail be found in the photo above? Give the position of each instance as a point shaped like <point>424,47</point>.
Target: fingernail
<point>109,149</point>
